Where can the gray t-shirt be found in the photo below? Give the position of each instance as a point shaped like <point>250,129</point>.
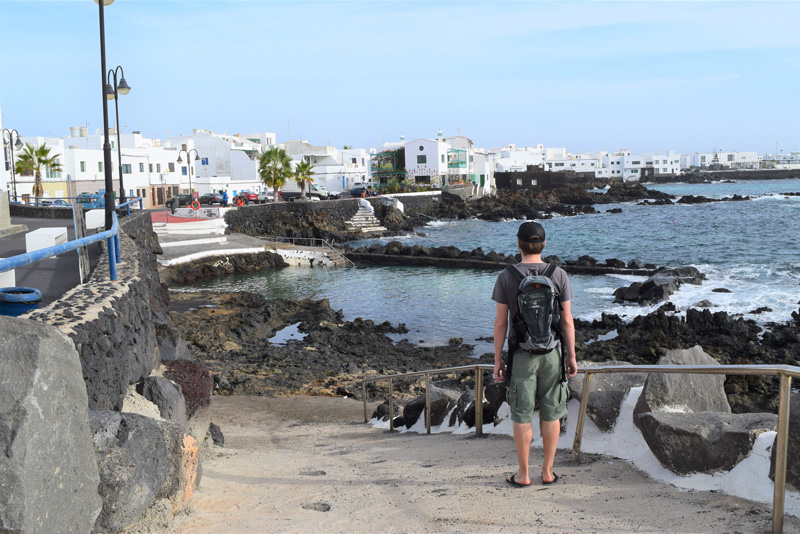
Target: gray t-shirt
<point>506,287</point>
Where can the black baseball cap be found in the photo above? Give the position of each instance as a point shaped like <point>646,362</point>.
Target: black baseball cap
<point>531,232</point>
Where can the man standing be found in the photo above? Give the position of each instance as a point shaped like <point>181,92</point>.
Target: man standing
<point>224,198</point>
<point>534,376</point>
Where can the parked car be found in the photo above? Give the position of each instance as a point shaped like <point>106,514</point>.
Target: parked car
<point>332,195</point>
<point>178,201</point>
<point>368,191</point>
<point>89,200</point>
<point>55,203</point>
<point>266,196</point>
<point>211,198</point>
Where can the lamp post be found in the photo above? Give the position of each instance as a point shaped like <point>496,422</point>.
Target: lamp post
<point>18,145</point>
<point>112,93</point>
<point>109,195</point>
<point>189,163</point>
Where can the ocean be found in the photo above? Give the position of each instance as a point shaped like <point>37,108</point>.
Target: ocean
<point>747,247</point>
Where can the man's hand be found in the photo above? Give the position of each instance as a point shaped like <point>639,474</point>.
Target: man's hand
<point>572,367</point>
<point>499,372</point>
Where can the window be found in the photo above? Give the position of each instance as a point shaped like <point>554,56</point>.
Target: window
<point>422,159</point>
<point>703,159</point>
<point>100,166</point>
<point>158,167</point>
<point>571,164</point>
<point>141,167</point>
<point>353,160</point>
<point>112,144</point>
<point>558,165</point>
<point>83,166</point>
<point>362,161</point>
<point>635,171</point>
<point>183,170</point>
<point>636,162</point>
<point>470,158</point>
<point>665,171</point>
<point>442,158</point>
<point>171,166</point>
<point>150,167</point>
<point>126,168</point>
<point>730,157</point>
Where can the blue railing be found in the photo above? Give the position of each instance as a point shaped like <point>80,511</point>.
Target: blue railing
<point>114,253</point>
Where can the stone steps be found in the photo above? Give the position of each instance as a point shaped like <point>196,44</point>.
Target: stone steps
<point>364,221</point>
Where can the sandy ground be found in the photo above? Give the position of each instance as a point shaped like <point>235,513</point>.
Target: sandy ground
<point>310,464</point>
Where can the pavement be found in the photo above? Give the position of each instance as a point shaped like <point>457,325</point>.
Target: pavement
<point>52,276</point>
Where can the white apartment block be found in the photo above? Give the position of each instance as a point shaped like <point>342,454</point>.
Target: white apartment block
<point>335,169</point>
<point>225,162</point>
<point>724,160</point>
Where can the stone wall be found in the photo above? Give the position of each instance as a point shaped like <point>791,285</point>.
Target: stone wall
<point>121,332</point>
<point>323,220</point>
<point>115,324</point>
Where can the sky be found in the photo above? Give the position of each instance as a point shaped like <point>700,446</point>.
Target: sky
<point>588,76</point>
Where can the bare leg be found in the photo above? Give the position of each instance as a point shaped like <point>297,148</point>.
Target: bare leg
<point>523,434</point>
<point>550,432</point>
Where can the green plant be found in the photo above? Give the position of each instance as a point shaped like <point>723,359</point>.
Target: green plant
<point>303,176</point>
<point>33,160</point>
<point>274,167</point>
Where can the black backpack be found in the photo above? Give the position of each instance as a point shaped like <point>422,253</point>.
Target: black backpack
<point>537,321</point>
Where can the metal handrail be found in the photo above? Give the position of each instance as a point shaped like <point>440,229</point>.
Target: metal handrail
<point>114,256</point>
<point>784,372</point>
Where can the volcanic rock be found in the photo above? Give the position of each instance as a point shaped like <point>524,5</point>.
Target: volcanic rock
<point>48,472</point>
<point>687,393</point>
<point>708,442</point>
<point>606,394</point>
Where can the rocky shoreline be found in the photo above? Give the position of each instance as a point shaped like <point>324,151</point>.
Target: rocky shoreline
<point>230,334</point>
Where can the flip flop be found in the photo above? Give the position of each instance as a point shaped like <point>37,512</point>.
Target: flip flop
<point>555,479</point>
<point>510,480</point>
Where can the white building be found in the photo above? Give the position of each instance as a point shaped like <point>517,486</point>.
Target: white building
<point>724,160</point>
<point>225,162</point>
<point>426,161</point>
<point>335,169</point>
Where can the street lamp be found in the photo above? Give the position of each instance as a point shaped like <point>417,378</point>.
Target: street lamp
<point>112,93</point>
<point>189,163</point>
<point>18,145</point>
<point>109,195</point>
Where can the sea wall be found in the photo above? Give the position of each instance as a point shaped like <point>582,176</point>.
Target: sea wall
<point>293,219</point>
<point>121,332</point>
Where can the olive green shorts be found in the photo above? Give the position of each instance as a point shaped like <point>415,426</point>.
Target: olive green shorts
<point>537,378</point>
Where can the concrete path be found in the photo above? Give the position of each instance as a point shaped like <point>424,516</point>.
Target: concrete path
<point>53,276</point>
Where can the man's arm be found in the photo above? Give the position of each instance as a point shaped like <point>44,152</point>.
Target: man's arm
<point>568,329</point>
<point>500,331</point>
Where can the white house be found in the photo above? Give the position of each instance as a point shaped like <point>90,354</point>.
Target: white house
<point>426,161</point>
<point>725,160</point>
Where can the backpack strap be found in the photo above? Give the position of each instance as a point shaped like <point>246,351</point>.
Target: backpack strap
<point>551,268</point>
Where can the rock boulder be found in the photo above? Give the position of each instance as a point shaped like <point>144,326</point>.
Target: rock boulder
<point>606,393</point>
<point>686,393</point>
<point>441,402</point>
<point>703,442</point>
<point>167,395</point>
<point>133,460</point>
<point>793,450</point>
<point>48,472</point>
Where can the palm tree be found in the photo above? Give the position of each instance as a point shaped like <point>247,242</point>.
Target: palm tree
<point>303,176</point>
<point>33,160</point>
<point>347,147</point>
<point>274,167</point>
